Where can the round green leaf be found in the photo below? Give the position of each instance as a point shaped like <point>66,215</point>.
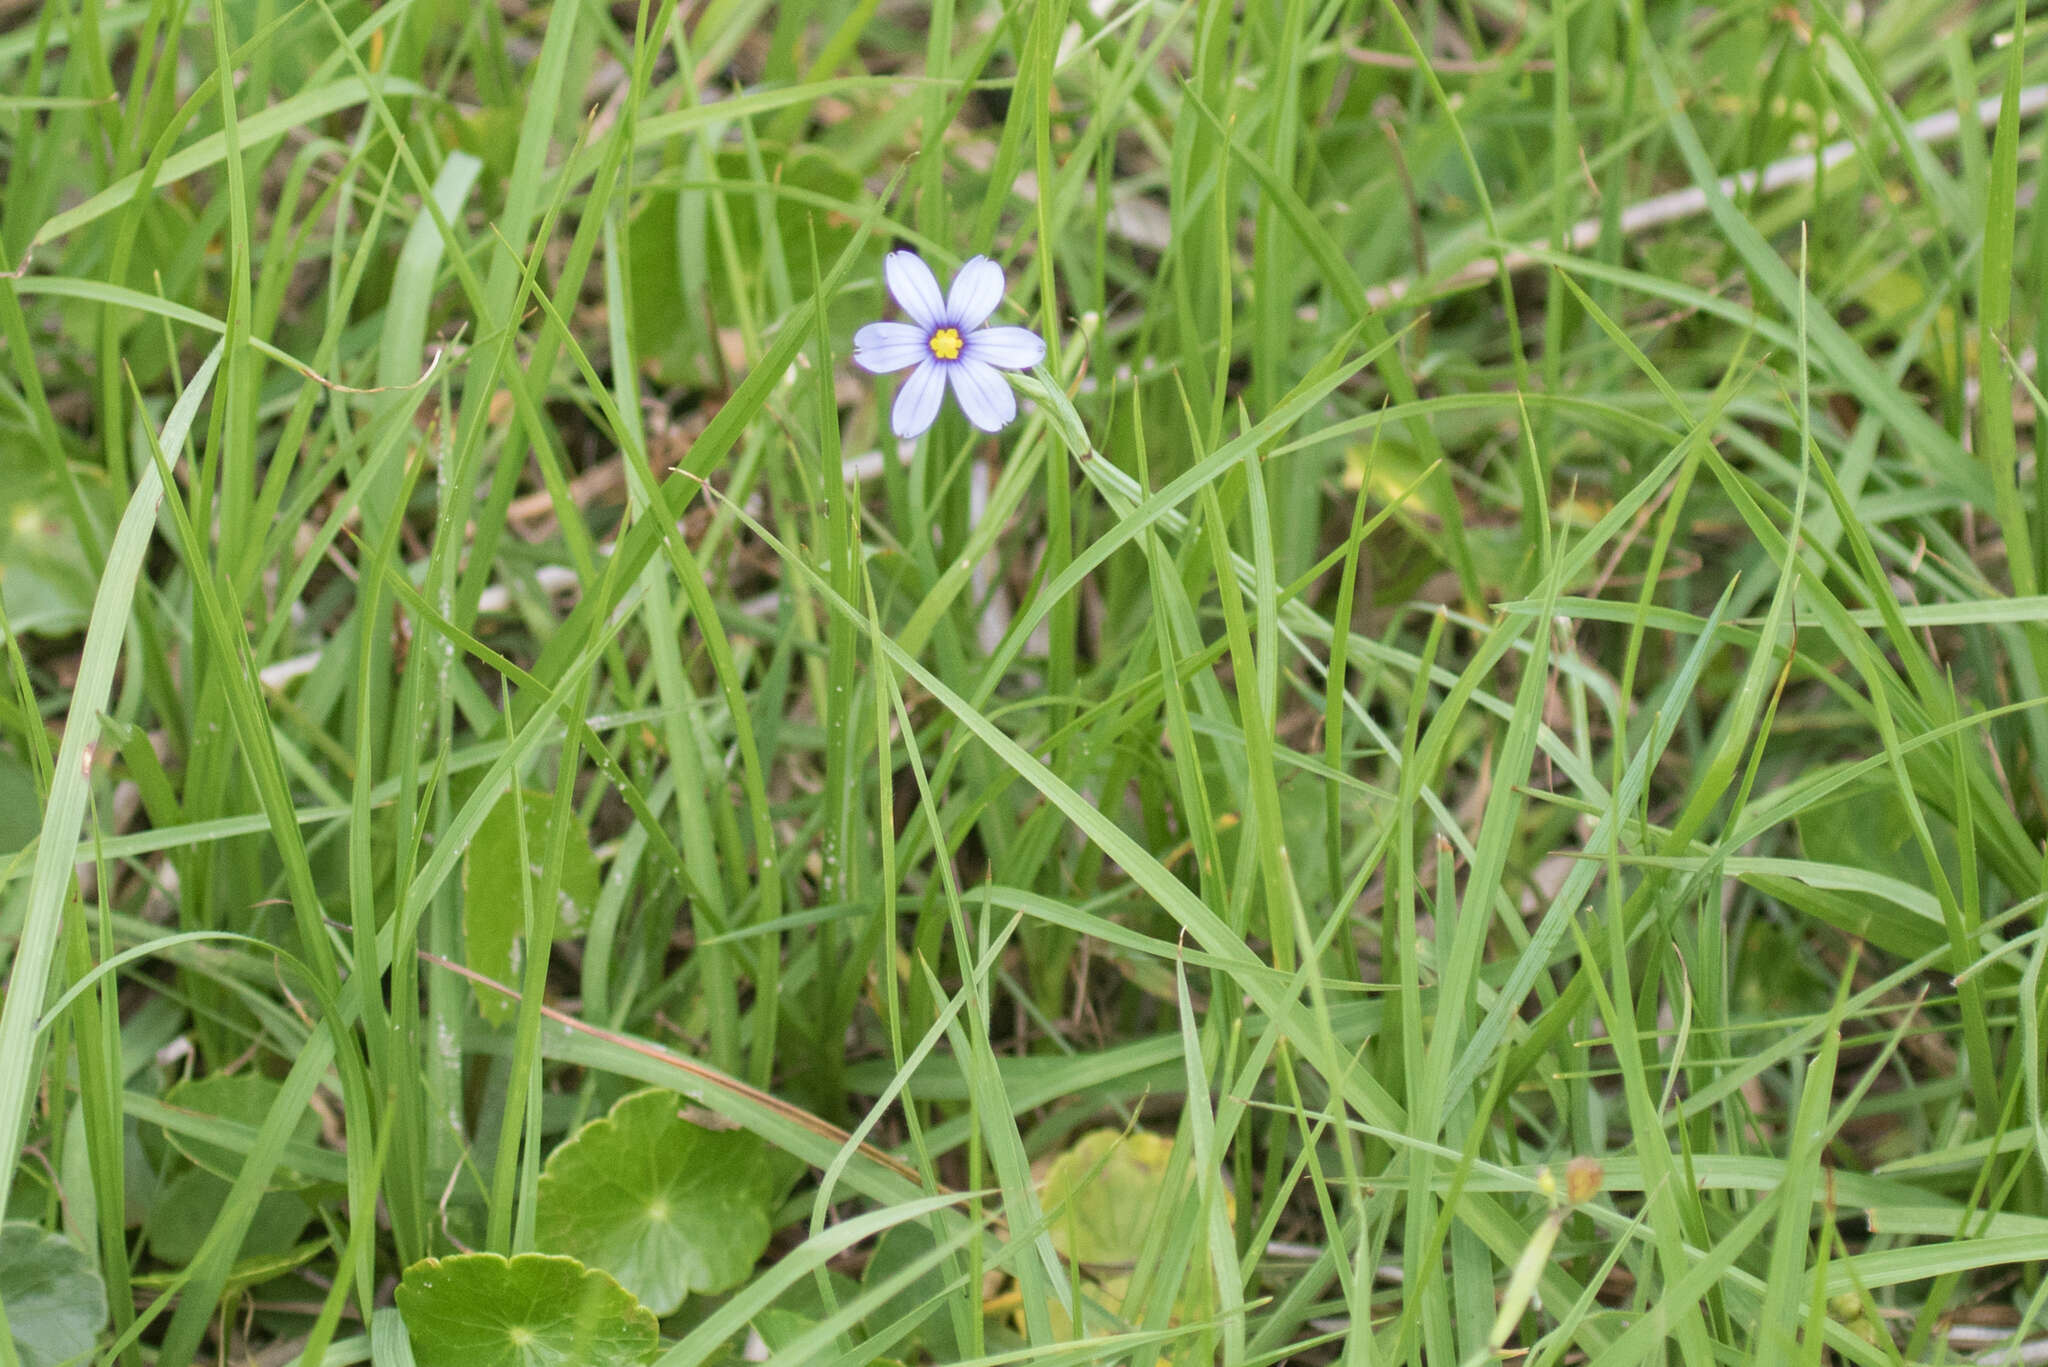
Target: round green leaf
<point>244,1098</point>
<point>675,285</point>
<point>46,581</point>
<point>903,1245</point>
<point>535,1310</point>
<point>780,1328</point>
<point>56,1304</point>
<point>20,806</point>
<point>666,1206</point>
<point>495,891</point>
<point>185,1208</point>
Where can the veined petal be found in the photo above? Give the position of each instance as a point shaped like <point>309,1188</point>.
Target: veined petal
<point>976,292</point>
<point>917,403</point>
<point>882,347</point>
<point>985,397</point>
<point>1005,348</point>
<point>915,288</point>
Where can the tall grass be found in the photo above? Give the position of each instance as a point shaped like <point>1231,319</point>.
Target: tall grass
<point>1492,644</point>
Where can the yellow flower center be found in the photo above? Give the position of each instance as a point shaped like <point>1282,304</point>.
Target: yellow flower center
<point>945,344</point>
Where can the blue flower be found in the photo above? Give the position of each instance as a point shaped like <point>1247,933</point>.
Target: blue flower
<point>946,341</point>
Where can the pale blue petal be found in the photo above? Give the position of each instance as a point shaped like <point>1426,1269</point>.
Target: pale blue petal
<point>976,292</point>
<point>985,396</point>
<point>1005,348</point>
<point>917,403</point>
<point>883,347</point>
<point>915,288</point>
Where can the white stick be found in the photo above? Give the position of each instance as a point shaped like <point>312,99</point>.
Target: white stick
<point>1798,169</point>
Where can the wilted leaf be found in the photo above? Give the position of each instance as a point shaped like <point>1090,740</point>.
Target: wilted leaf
<point>1102,1196</point>
<point>1101,1193</point>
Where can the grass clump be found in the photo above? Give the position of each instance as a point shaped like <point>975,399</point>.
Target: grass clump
<point>1465,783</point>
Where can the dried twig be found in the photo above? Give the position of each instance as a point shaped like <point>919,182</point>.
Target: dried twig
<point>1677,205</point>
